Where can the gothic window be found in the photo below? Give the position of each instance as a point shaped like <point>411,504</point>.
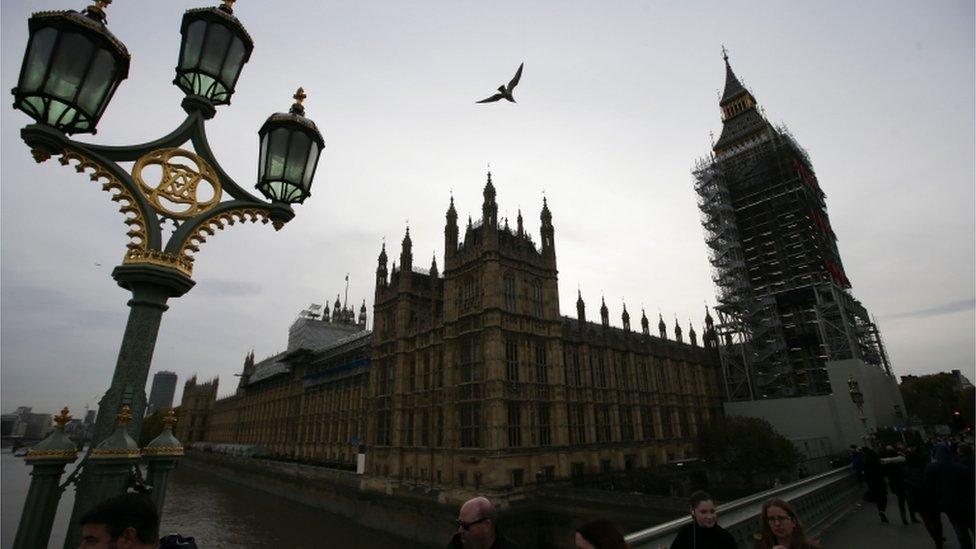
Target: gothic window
<point>383,428</point>
<point>514,425</point>
<point>469,290</point>
<point>647,422</point>
<point>577,423</point>
<point>545,433</point>
<point>602,423</point>
<point>626,423</point>
<point>424,428</point>
<point>601,370</point>
<point>573,373</point>
<point>411,374</point>
<point>470,359</point>
<point>541,368</point>
<point>536,297</point>
<point>509,291</point>
<point>440,430</point>
<point>511,358</point>
<point>408,432</point>
<point>683,423</point>
<point>666,430</point>
<point>470,416</point>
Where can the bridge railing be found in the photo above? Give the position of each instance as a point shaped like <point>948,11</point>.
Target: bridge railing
<point>817,500</point>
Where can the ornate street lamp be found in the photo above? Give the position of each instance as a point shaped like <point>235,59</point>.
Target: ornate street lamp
<point>857,397</point>
<point>72,66</point>
<point>214,49</point>
<point>290,148</point>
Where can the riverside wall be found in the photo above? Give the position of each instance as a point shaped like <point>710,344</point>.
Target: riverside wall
<point>543,518</point>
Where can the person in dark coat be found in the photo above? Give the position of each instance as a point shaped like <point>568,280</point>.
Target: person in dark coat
<point>952,484</point>
<point>920,495</point>
<point>874,476</point>
<point>703,532</point>
<point>477,528</point>
<point>857,463</point>
<point>893,466</point>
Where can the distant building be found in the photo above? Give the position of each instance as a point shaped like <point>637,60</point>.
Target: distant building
<point>162,392</point>
<point>23,423</point>
<point>791,332</point>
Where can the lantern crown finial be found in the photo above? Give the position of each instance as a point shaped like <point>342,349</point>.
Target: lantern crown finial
<point>297,107</point>
<point>97,10</point>
<point>63,418</point>
<point>228,6</point>
<point>124,417</point>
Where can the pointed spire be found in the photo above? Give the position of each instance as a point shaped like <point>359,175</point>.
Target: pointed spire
<point>520,228</point>
<point>662,328</point>
<point>645,324</point>
<point>732,85</point>
<point>677,330</point>
<point>580,307</point>
<point>433,267</point>
<point>692,335</point>
<point>451,212</point>
<point>383,258</point>
<point>546,214</point>
<point>604,312</point>
<point>625,318</point>
<point>407,243</point>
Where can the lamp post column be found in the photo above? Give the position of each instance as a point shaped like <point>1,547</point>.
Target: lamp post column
<point>151,287</point>
<point>47,459</point>
<point>106,473</point>
<point>161,455</point>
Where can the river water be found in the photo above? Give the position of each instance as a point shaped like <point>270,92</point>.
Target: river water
<point>219,514</point>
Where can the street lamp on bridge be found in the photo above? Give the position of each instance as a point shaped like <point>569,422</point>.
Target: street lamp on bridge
<point>72,67</point>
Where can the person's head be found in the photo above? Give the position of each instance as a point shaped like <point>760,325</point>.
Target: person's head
<point>476,523</point>
<point>702,509</point>
<point>599,534</point>
<point>779,524</point>
<point>129,521</point>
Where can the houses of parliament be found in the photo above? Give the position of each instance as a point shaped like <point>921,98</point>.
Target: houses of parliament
<point>471,378</point>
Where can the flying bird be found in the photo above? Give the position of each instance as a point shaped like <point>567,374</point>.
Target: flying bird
<point>505,92</point>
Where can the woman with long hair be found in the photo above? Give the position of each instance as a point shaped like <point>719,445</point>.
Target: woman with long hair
<point>780,528</point>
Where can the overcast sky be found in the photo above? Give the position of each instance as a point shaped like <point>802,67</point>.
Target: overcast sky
<point>616,103</point>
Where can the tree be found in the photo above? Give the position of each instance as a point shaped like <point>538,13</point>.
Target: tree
<point>934,398</point>
<point>746,446</point>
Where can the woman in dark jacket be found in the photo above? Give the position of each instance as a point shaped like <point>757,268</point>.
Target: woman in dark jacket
<point>874,475</point>
<point>703,532</point>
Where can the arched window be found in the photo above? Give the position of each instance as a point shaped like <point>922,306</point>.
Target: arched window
<point>508,288</point>
<point>536,297</point>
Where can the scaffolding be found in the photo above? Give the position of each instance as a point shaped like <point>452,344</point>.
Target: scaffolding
<point>784,306</point>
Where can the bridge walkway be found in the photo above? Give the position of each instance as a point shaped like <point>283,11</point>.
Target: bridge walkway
<point>861,527</point>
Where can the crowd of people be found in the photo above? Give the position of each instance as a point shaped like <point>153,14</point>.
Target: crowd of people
<point>927,480</point>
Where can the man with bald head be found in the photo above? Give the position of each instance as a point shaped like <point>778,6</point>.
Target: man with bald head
<point>477,528</point>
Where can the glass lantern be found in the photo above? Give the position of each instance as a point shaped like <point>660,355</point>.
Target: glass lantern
<point>214,49</point>
<point>290,149</point>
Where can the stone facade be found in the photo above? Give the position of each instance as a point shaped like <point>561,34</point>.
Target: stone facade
<point>472,379</point>
<point>194,411</point>
<point>478,381</point>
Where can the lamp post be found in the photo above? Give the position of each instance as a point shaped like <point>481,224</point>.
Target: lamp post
<point>72,67</point>
<point>857,397</point>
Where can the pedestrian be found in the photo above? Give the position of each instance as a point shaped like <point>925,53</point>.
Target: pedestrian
<point>780,528</point>
<point>857,463</point>
<point>952,484</point>
<point>703,532</point>
<point>128,521</point>
<point>921,496</point>
<point>477,527</point>
<point>893,466</point>
<point>600,534</point>
<point>874,477</point>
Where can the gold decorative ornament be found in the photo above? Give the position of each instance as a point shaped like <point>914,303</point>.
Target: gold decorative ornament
<point>229,4</point>
<point>299,97</point>
<point>63,418</point>
<point>33,454</point>
<point>217,222</point>
<point>162,451</point>
<point>124,417</point>
<point>169,419</point>
<point>162,259</point>
<point>115,452</point>
<point>134,217</point>
<point>176,194</point>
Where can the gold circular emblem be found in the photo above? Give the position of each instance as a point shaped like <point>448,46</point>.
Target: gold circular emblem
<point>186,184</point>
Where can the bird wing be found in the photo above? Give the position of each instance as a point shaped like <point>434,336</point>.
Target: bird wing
<point>495,97</point>
<point>515,79</point>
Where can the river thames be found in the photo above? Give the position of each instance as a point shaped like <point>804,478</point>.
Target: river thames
<point>215,512</point>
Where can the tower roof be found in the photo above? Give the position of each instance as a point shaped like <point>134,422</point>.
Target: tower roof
<point>733,88</point>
